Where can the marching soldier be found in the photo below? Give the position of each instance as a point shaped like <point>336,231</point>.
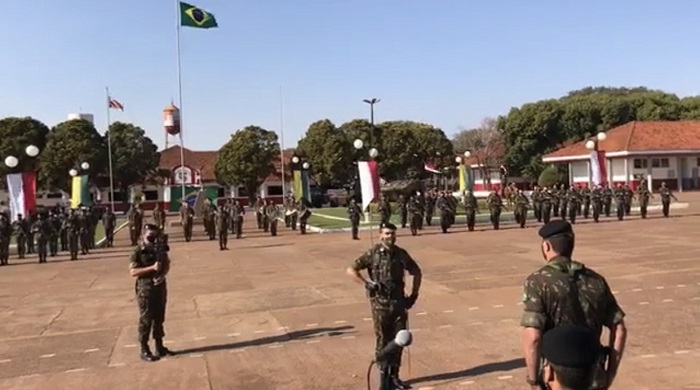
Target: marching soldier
<point>159,217</point>
<point>288,207</point>
<point>238,213</point>
<point>537,203</point>
<point>63,233</point>
<point>354,213</point>
<point>109,220</point>
<point>41,231</point>
<point>30,241</point>
<point>403,210</point>
<point>84,232</point>
<point>386,264</point>
<point>91,217</point>
<point>135,216</point>
<point>21,228</point>
<point>643,195</point>
<point>521,204</point>
<point>259,205</point>
<point>304,214</point>
<point>563,201</point>
<point>429,208</point>
<point>620,197</point>
<point>72,226</point>
<point>597,202</point>
<point>271,216</point>
<point>5,237</point>
<point>384,211</point>
<point>415,211</point>
<point>471,207</point>
<point>574,201</point>
<point>443,204</point>
<point>608,195</point>
<point>629,196</point>
<point>586,197</point>
<point>223,220</point>
<point>495,204</point>
<point>566,292</point>
<point>208,218</point>
<point>556,200</point>
<point>186,219</point>
<point>546,209</point>
<point>54,223</point>
<point>666,196</point>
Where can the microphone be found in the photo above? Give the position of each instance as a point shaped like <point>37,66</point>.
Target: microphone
<point>403,339</point>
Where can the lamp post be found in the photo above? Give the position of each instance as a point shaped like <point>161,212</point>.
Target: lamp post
<point>300,171</point>
<point>73,172</point>
<point>593,144</point>
<point>12,179</point>
<point>371,103</point>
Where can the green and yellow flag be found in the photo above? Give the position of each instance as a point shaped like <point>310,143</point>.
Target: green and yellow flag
<point>193,16</point>
<point>80,192</point>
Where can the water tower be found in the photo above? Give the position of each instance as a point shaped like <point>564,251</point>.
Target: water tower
<point>171,122</point>
<point>88,117</point>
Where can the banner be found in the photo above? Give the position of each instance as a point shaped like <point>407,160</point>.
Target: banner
<point>21,188</point>
<point>466,178</point>
<point>80,192</point>
<point>369,182</point>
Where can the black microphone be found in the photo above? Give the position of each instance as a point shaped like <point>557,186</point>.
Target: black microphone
<point>403,339</point>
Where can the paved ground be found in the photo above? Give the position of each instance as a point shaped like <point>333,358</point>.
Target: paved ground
<point>279,313</point>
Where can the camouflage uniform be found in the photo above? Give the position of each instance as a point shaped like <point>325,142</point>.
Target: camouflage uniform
<point>354,213</point>
<point>403,210</point>
<point>666,196</point>
<point>271,216</point>
<point>521,206</point>
<point>643,195</point>
<point>621,197</point>
<point>597,202</point>
<point>186,216</point>
<point>301,208</point>
<point>159,217</point>
<point>41,231</point>
<point>386,268</point>
<point>223,221</point>
<point>546,208</point>
<point>607,193</point>
<point>109,221</point>
<point>471,207</point>
<point>429,209</point>
<point>495,204</point>
<point>238,212</point>
<point>537,203</point>
<point>384,212</point>
<point>5,235</point>
<point>415,210</point>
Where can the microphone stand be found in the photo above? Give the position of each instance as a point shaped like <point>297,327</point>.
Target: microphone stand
<point>385,380</point>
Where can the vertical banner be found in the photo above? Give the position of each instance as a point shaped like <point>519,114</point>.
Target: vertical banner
<point>21,188</point>
<point>369,182</point>
<point>466,178</point>
<point>297,185</point>
<point>599,172</point>
<point>602,163</point>
<point>305,186</point>
<point>80,192</point>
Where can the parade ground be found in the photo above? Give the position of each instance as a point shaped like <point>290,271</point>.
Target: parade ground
<point>276,313</point>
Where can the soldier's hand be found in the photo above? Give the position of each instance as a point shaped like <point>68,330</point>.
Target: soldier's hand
<point>410,301</point>
<point>157,266</point>
<point>371,286</point>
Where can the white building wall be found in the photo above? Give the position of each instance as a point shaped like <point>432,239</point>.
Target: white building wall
<point>578,172</point>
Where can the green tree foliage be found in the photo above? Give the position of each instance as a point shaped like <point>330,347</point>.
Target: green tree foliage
<point>360,129</point>
<point>69,144</point>
<point>15,135</point>
<point>134,155</point>
<point>247,159</point>
<point>539,128</point>
<point>326,149</point>
<point>549,177</point>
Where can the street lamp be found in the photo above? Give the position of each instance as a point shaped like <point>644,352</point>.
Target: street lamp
<point>371,103</point>
<point>84,166</point>
<point>12,161</point>
<point>459,159</point>
<point>592,144</point>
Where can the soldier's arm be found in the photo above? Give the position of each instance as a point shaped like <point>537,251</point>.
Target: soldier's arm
<point>362,262</point>
<point>533,322</point>
<point>414,270</point>
<point>618,333</point>
<point>135,269</point>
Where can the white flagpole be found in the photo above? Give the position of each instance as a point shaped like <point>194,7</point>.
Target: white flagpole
<point>109,152</point>
<point>284,178</point>
<point>179,90</point>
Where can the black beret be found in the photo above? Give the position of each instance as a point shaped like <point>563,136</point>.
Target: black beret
<point>573,346</point>
<point>389,226</point>
<point>555,228</point>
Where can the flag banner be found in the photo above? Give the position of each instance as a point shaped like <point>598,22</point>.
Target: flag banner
<point>193,16</point>
<point>22,192</point>
<point>430,168</point>
<point>369,182</point>
<point>305,186</point>
<point>115,105</point>
<point>466,178</point>
<point>297,186</point>
<point>599,172</point>
<point>80,192</point>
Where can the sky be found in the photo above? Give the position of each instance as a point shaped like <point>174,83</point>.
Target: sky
<point>283,64</point>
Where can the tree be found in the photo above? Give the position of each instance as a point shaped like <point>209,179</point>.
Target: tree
<point>328,151</point>
<point>550,176</point>
<point>485,144</point>
<point>359,129</point>
<point>134,155</point>
<point>398,150</point>
<point>433,146</point>
<point>247,159</point>
<point>15,135</point>
<point>68,145</point>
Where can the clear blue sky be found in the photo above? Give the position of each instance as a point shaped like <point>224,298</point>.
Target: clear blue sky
<point>445,62</point>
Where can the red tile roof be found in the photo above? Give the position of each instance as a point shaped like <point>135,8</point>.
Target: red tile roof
<point>205,161</point>
<point>639,136</point>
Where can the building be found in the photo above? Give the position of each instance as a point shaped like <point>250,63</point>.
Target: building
<point>658,151</point>
<point>488,178</point>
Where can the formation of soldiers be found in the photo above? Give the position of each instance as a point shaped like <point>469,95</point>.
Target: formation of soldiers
<point>46,232</point>
<point>545,203</point>
<point>219,221</point>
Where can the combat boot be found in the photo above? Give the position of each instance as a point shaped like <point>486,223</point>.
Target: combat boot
<point>146,354</point>
<point>398,383</point>
<point>161,351</point>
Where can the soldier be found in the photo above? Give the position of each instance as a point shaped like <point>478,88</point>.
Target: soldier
<point>597,202</point>
<point>536,197</point>
<point>520,211</point>
<point>620,197</point>
<point>354,213</point>
<point>546,199</point>
<point>259,205</point>
<point>159,217</point>
<point>386,264</point>
<point>84,232</point>
<point>443,204</point>
<point>586,197</point>
<point>403,210</point>
<point>643,195</point>
<point>304,215</point>
<point>109,221</point>
<point>563,201</point>
<point>5,237</point>
<point>54,223</point>
<point>495,204</point>
<point>415,212</point>
<point>72,226</point>
<point>186,217</point>
<point>288,206</point>
<point>21,229</point>
<point>208,218</point>
<point>132,216</point>
<point>223,221</point>
<point>574,202</point>
<point>666,196</point>
<point>271,214</point>
<point>471,207</point>
<point>563,292</point>
<point>238,213</point>
<point>41,230</point>
<point>150,265</point>
<point>30,241</point>
<point>429,208</point>
<point>63,233</point>
<point>629,196</point>
<point>607,193</point>
<point>384,211</point>
<point>91,218</point>
<point>556,200</point>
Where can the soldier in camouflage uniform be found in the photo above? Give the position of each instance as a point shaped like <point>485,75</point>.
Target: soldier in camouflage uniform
<point>586,197</point>
<point>109,221</point>
<point>471,207</point>
<point>537,203</point>
<point>72,226</point>
<point>5,236</point>
<point>643,195</point>
<point>429,209</point>
<point>209,219</point>
<point>415,213</point>
<point>186,220</point>
<point>620,197</point>
<point>259,205</point>
<point>135,217</point>
<point>84,232</point>
<point>666,196</point>
<point>629,196</point>
<point>403,210</point>
<point>563,201</point>
<point>21,230</point>
<point>546,199</point>
<point>386,264</point>
<point>41,230</point>
<point>354,213</point>
<point>159,217</point>
<point>63,233</point>
<point>223,221</point>
<point>495,205</point>
<point>443,204</point>
<point>150,265</point>
<point>597,202</point>
<point>573,197</point>
<point>607,196</point>
<point>271,213</point>
<point>565,291</point>
<point>521,205</point>
<point>55,225</point>
<point>30,241</point>
<point>237,221</point>
<point>384,212</point>
<point>556,200</point>
<point>301,209</point>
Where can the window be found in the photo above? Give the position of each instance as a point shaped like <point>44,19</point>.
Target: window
<point>660,163</point>
<point>221,193</point>
<point>641,163</point>
<point>150,195</point>
<point>274,191</point>
<point>242,192</point>
<point>119,196</point>
<point>665,163</point>
<point>54,195</point>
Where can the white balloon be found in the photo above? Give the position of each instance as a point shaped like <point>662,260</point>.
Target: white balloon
<point>358,144</point>
<point>32,151</point>
<point>85,166</point>
<point>373,153</point>
<point>11,161</point>
<point>73,172</point>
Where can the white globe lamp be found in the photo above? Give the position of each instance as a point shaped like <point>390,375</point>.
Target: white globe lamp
<point>73,172</point>
<point>358,144</point>
<point>602,136</point>
<point>458,160</point>
<point>467,154</point>
<point>305,165</point>
<point>32,151</point>
<point>590,144</point>
<point>85,166</point>
<point>373,153</point>
<point>295,160</point>
<point>11,161</point>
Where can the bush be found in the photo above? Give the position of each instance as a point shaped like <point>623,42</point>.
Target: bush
<point>549,177</point>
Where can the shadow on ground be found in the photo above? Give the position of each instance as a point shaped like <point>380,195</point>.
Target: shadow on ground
<point>507,365</point>
<point>287,337</point>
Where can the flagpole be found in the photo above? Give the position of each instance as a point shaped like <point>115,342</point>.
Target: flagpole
<point>179,91</point>
<point>284,178</point>
<point>109,152</point>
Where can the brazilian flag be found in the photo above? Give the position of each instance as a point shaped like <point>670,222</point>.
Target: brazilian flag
<point>192,16</point>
